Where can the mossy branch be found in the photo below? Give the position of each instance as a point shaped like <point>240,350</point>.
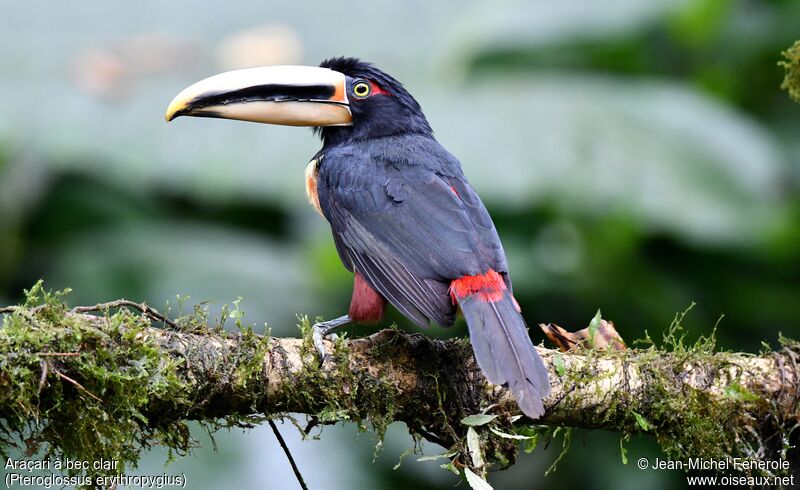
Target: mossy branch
<point>106,385</point>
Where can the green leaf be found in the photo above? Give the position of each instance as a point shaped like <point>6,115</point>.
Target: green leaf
<point>739,392</point>
<point>558,362</point>
<point>533,434</point>
<point>474,446</point>
<point>451,468</point>
<point>641,421</point>
<point>531,444</point>
<point>623,450</point>
<point>594,325</point>
<point>476,482</point>
<point>478,420</point>
<point>506,435</point>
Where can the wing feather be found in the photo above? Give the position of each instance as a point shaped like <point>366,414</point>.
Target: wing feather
<point>408,228</point>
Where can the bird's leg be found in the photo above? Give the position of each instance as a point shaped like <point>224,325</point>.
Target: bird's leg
<point>324,329</point>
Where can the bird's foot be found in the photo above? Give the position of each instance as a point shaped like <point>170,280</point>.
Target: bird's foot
<point>322,330</point>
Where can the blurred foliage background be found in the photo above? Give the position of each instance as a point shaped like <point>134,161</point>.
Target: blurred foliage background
<point>636,157</point>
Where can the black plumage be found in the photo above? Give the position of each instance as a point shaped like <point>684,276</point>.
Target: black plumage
<point>404,217</point>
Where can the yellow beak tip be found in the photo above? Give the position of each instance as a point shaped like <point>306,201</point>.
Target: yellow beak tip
<point>176,109</point>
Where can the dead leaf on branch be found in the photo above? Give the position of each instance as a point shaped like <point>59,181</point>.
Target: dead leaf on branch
<point>603,337</point>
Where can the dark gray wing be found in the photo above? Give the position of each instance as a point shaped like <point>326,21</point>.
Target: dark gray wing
<point>408,228</point>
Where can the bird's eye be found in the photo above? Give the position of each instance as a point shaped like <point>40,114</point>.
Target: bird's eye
<point>361,89</point>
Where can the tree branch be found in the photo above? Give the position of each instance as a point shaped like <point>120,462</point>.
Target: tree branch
<point>696,402</point>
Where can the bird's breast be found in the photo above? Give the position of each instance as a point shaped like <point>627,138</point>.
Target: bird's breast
<point>312,174</point>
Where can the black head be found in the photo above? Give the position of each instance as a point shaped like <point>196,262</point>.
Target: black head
<point>380,105</point>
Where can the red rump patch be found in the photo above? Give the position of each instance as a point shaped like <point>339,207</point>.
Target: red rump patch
<point>377,89</point>
<point>489,287</point>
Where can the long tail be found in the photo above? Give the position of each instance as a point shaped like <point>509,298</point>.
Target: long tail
<point>500,340</point>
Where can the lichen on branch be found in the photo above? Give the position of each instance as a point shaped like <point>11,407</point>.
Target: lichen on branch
<point>110,381</point>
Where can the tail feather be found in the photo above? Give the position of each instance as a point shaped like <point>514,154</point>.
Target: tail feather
<point>504,350</point>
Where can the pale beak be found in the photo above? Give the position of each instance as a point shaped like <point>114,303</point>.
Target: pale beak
<point>288,95</point>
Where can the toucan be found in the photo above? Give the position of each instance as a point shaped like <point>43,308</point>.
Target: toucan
<point>405,221</point>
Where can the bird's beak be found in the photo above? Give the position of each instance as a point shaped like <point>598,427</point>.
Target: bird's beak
<point>288,95</point>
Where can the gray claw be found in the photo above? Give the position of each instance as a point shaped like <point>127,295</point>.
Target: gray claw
<point>325,329</point>
<point>317,336</point>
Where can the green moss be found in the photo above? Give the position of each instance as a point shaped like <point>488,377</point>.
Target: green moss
<point>791,65</point>
<point>70,390</point>
<point>370,401</point>
<point>251,353</point>
<point>692,423</point>
<point>696,423</point>
<point>100,380</point>
<point>82,390</point>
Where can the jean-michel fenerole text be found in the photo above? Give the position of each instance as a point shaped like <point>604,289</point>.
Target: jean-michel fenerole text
<point>735,464</point>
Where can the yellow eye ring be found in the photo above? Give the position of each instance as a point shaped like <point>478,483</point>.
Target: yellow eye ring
<point>361,89</point>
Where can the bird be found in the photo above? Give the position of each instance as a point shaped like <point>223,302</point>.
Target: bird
<point>405,221</point>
